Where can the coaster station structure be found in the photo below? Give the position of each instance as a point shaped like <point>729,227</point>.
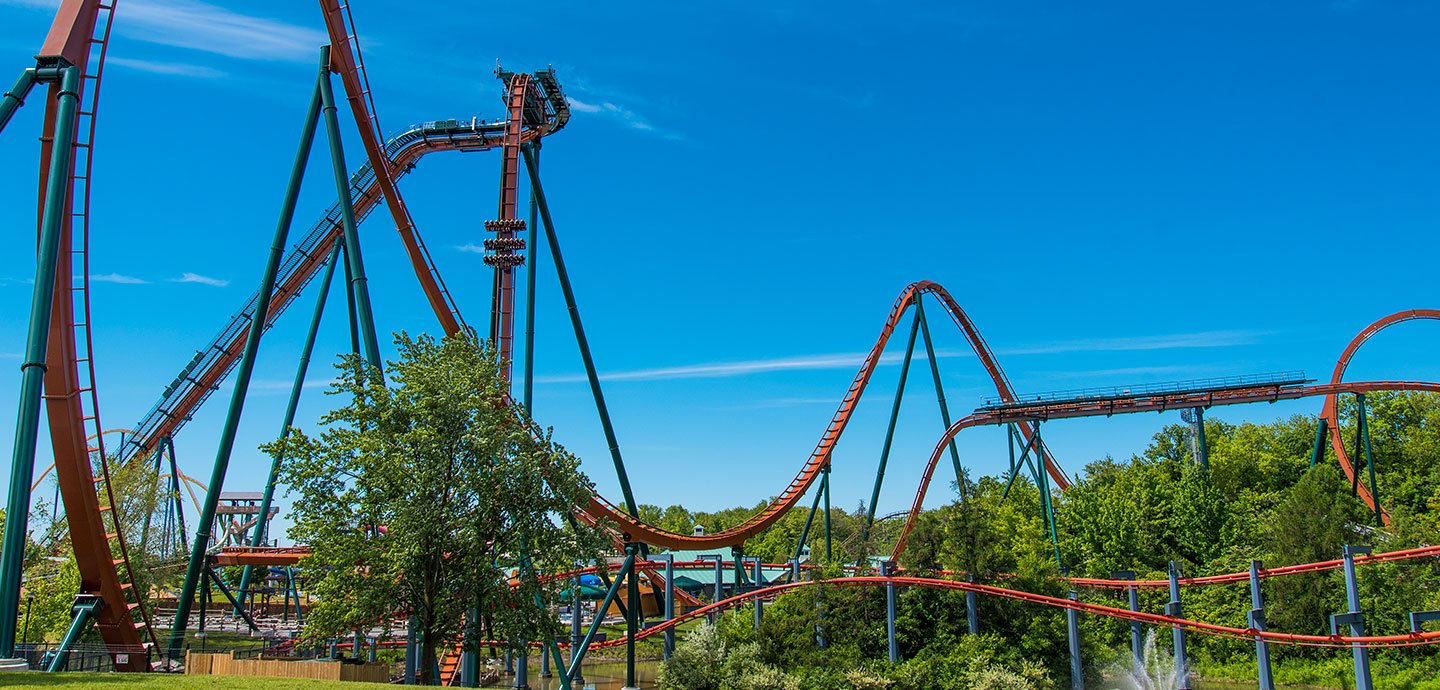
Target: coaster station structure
<point>58,365</point>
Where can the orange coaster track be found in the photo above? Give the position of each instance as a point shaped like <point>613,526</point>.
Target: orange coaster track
<point>639,531</point>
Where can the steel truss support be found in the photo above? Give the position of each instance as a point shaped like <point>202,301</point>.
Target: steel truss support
<point>53,223</point>
<point>939,390</point>
<point>1042,483</point>
<point>1257,621</point>
<point>1355,619</point>
<point>532,166</point>
<point>894,419</point>
<point>577,656</point>
<point>83,611</point>
<point>1363,448</point>
<point>258,539</point>
<point>247,362</point>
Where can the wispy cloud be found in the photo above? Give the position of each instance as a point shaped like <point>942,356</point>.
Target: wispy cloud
<point>10,355</point>
<point>1178,341</point>
<point>271,385</point>
<point>852,360</point>
<point>720,369</point>
<point>119,278</point>
<point>622,114</point>
<point>189,277</point>
<point>204,27</point>
<point>178,69</point>
<point>470,247</point>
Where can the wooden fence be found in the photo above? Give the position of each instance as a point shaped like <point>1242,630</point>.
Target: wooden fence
<point>227,665</point>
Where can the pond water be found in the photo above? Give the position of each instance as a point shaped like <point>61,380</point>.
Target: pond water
<point>601,675</point>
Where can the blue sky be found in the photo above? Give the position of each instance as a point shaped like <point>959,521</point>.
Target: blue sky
<point>1117,193</point>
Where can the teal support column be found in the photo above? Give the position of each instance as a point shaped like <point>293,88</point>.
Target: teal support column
<point>32,369</point>
<point>15,97</point>
<point>887,569</point>
<point>263,519</point>
<point>940,393</point>
<point>359,286</point>
<point>719,592</point>
<point>809,519</point>
<point>350,300</point>
<point>669,603</point>
<point>632,621</point>
<point>1257,621</point>
<point>1173,608</point>
<point>532,165</point>
<point>825,488</point>
<point>527,378</point>
<point>894,418</point>
<point>1364,430</point>
<point>1322,428</point>
<point>1072,631</point>
<point>574,675</point>
<point>83,611</point>
<point>412,651</point>
<point>1355,619</point>
<point>972,609</point>
<point>243,371</point>
<point>577,655</point>
<point>1137,632</point>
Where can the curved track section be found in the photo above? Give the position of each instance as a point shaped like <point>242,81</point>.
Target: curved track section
<point>80,35</point>
<point>1107,408</point>
<point>1408,639</point>
<point>636,530</point>
<point>1330,410</point>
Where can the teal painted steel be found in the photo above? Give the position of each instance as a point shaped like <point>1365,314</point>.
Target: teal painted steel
<point>1256,620</point>
<point>939,392</point>
<point>527,377</point>
<point>359,285</point>
<point>295,387</point>
<point>578,656</point>
<point>1072,633</point>
<point>1177,634</point>
<point>246,368</point>
<point>1322,427</point>
<point>1356,619</point>
<point>825,489</point>
<point>532,165</point>
<point>84,610</point>
<point>32,370</point>
<point>1363,429</point>
<point>633,615</point>
<point>894,418</point>
<point>809,519</point>
<point>15,97</point>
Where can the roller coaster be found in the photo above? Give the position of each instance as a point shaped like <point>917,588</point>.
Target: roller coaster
<point>58,367</point>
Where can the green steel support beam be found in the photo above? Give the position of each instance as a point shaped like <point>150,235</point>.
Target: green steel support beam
<point>1023,463</point>
<point>939,392</point>
<point>632,621</point>
<point>1042,479</point>
<point>32,370</point>
<point>825,488</point>
<point>1370,461</point>
<point>809,519</point>
<point>532,166</point>
<point>1322,428</point>
<point>577,656</point>
<point>350,300</point>
<point>358,283</point>
<point>15,97</point>
<point>230,596</point>
<point>295,387</point>
<point>527,379</point>
<point>247,367</point>
<point>894,418</point>
<point>84,610</point>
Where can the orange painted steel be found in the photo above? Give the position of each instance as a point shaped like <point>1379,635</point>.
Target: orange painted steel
<point>1156,403</point>
<point>1330,410</point>
<point>639,531</point>
<point>344,61</point>
<point>502,309</point>
<point>70,397</point>
<point>1408,639</point>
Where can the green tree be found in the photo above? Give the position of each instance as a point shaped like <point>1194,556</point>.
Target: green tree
<point>425,498</point>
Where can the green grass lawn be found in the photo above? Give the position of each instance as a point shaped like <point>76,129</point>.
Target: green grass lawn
<point>165,681</point>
